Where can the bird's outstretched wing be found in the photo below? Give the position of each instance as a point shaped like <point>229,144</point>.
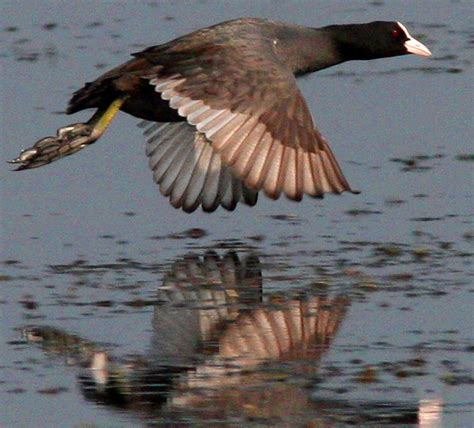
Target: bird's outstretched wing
<point>247,105</point>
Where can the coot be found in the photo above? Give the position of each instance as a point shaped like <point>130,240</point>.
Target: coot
<point>227,118</point>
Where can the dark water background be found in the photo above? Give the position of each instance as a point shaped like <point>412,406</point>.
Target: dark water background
<point>96,264</point>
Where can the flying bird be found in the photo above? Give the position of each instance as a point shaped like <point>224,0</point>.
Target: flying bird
<point>227,117</point>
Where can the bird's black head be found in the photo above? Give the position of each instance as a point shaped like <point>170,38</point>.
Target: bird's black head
<point>379,39</point>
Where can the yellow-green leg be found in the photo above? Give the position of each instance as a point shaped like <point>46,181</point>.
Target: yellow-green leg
<point>69,139</point>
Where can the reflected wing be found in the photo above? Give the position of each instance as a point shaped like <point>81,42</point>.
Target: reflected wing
<point>250,109</point>
<point>304,329</point>
<point>199,296</point>
<point>190,172</point>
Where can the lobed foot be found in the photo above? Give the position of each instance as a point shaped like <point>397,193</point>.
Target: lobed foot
<point>69,140</point>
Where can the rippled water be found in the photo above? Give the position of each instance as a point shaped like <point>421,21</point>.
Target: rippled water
<point>118,309</point>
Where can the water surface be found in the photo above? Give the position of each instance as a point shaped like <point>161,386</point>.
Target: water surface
<point>117,309</point>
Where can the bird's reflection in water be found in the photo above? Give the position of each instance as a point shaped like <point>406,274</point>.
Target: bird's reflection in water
<point>238,342</point>
<point>221,350</point>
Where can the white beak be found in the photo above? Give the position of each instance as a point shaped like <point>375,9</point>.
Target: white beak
<point>414,46</point>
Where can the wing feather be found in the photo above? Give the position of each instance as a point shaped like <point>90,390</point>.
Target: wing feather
<point>190,172</point>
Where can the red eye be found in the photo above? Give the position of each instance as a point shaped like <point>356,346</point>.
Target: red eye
<point>396,32</point>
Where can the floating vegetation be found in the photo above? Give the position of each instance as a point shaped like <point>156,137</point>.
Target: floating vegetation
<point>389,250</point>
<point>367,375</point>
<point>465,157</point>
<point>356,212</point>
<point>417,163</point>
<point>50,26</point>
